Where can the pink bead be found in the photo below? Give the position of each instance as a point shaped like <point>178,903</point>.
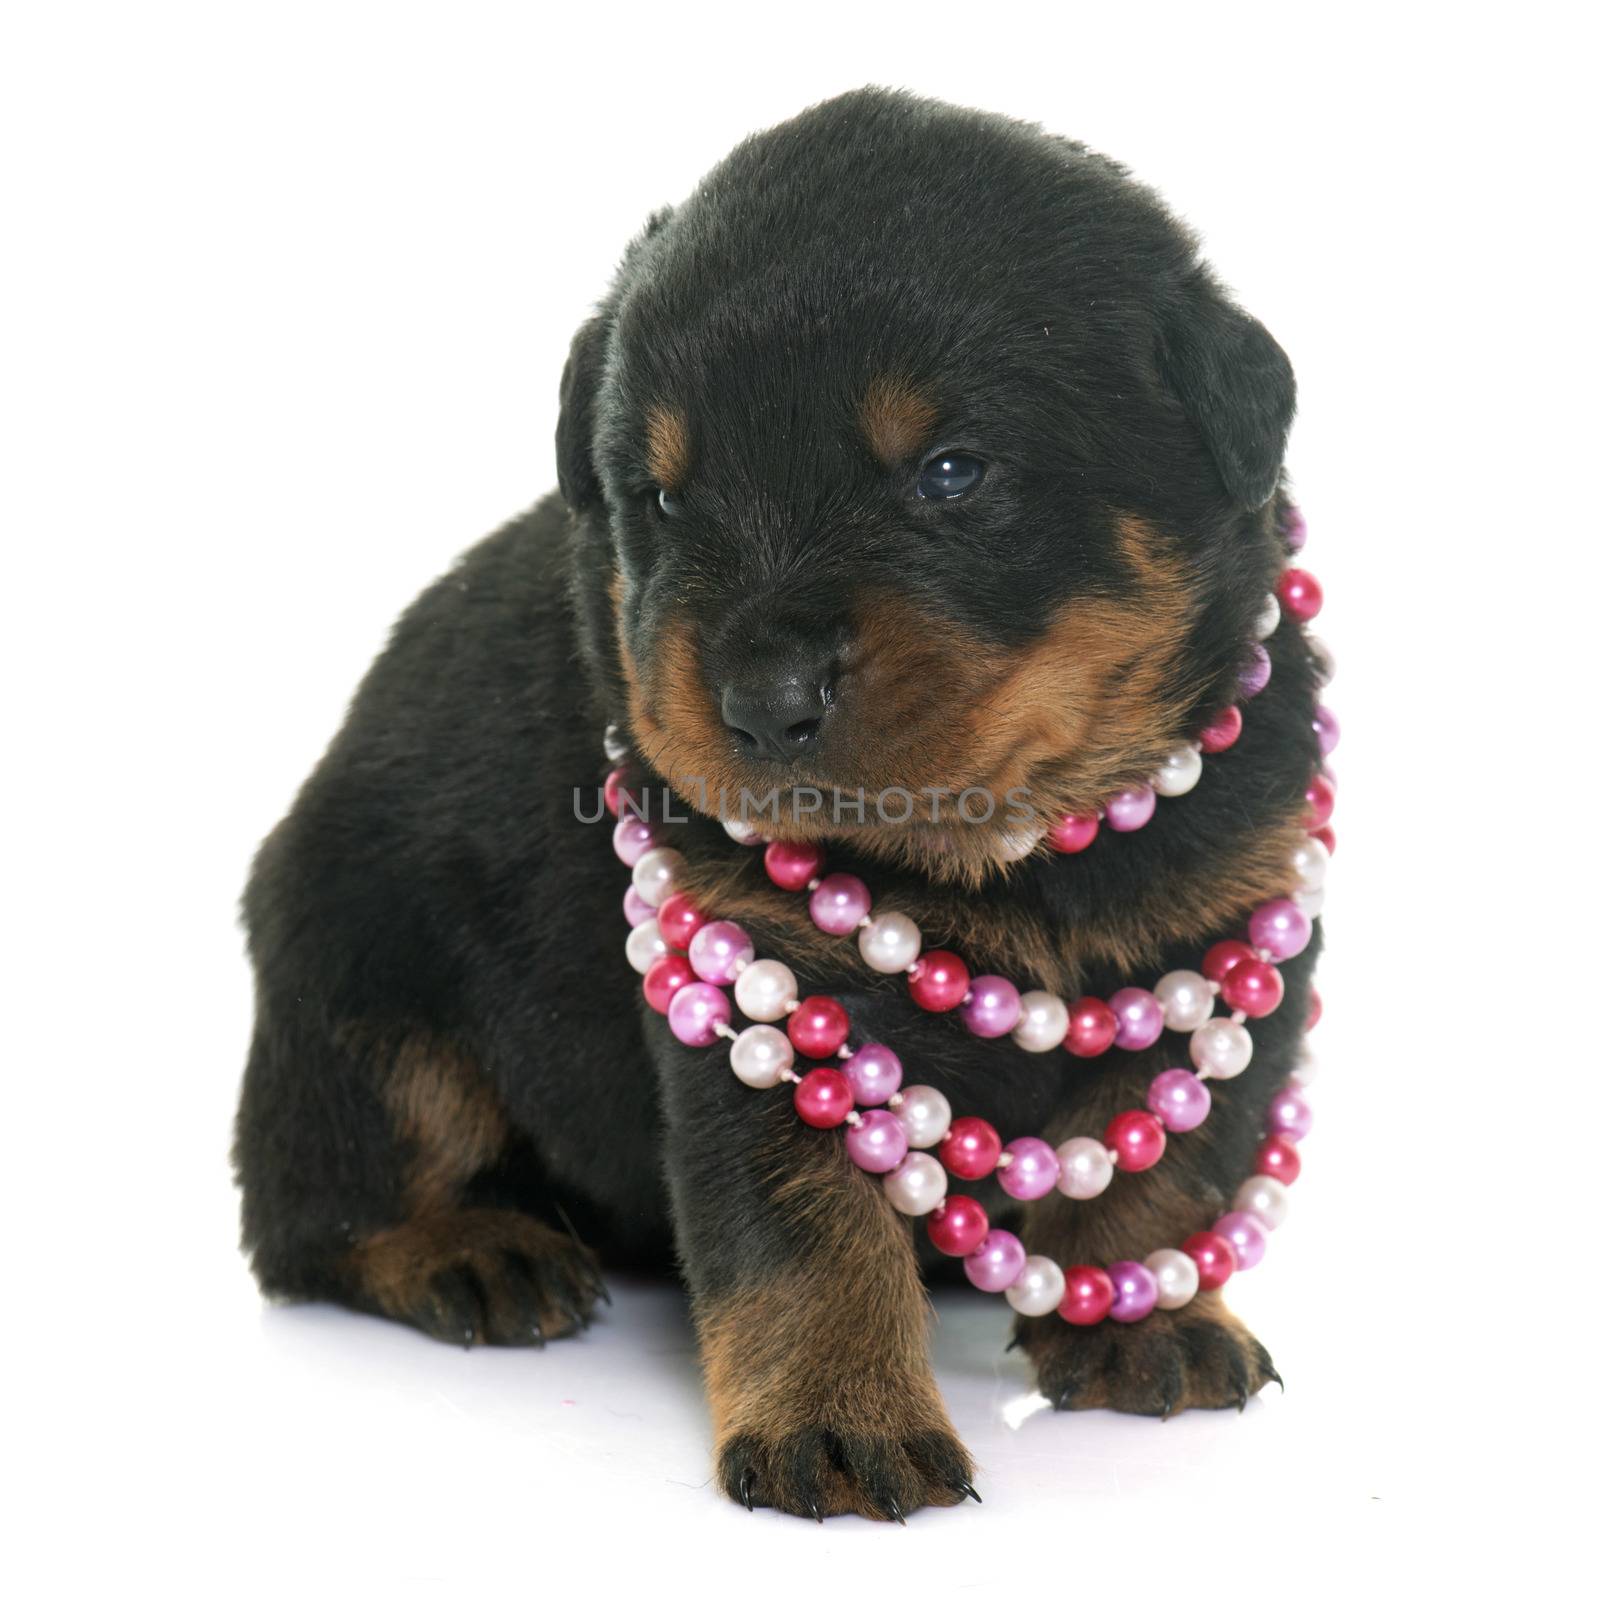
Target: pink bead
<point>666,977</point>
<point>1253,987</point>
<point>719,951</point>
<point>873,1073</point>
<point>1289,1115</point>
<point>991,1008</point>
<point>1223,956</point>
<point>635,909</point>
<point>878,1142</point>
<point>1135,1288</point>
<point>1223,732</point>
<point>694,1012</point>
<point>1247,1236</point>
<point>1138,1139</point>
<point>1299,594</point>
<point>1091,1027</point>
<point>958,1227</point>
<point>1131,808</point>
<point>631,838</point>
<point>1090,1295</point>
<point>1313,1010</point>
<point>1319,800</point>
<point>1179,1098</point>
<point>1033,1170</point>
<point>1256,673</point>
<point>1277,1157</point>
<point>997,1263</point>
<point>792,866</point>
<point>617,797</point>
<point>1139,1018</point>
<point>938,981</point>
<point>1326,727</point>
<point>818,1026</point>
<point>1280,928</point>
<point>1292,526</point>
<point>679,920</point>
<point>1326,834</point>
<point>1072,834</point>
<point>839,903</point>
<point>822,1097</point>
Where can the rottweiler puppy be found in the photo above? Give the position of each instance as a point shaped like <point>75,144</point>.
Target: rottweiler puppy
<point>916,452</point>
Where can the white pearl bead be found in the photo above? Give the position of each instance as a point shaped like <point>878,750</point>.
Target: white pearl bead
<point>917,1185</point>
<point>1310,901</point>
<point>760,1056</point>
<point>764,989</point>
<point>653,873</point>
<point>1177,1278</point>
<point>1186,1000</point>
<point>925,1115</point>
<point>1268,618</point>
<point>1014,846</point>
<point>1222,1046</point>
<point>891,943</point>
<point>1321,658</point>
<point>737,829</point>
<point>645,945</point>
<point>1086,1168</point>
<point>1040,1288</point>
<point>1266,1199</point>
<point>1310,862</point>
<point>615,745</point>
<point>1179,773</point>
<point>1042,1024</point>
<point>1305,1069</point>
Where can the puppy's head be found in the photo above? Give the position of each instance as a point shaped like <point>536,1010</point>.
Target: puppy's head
<point>918,456</point>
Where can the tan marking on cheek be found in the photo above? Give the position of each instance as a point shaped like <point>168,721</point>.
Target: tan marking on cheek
<point>897,419</point>
<point>667,446</point>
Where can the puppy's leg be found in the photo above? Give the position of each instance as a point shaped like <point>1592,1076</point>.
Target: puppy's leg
<point>809,1307</point>
<point>356,1156</point>
<point>1200,1355</point>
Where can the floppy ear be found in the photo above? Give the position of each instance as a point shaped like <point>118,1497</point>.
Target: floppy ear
<point>580,383</point>
<point>1236,385</point>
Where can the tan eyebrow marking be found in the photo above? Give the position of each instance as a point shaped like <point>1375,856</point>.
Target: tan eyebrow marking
<point>667,445</point>
<point>897,419</point>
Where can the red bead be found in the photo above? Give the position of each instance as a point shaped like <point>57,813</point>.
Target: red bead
<point>1223,957</point>
<point>1090,1293</point>
<point>1328,838</point>
<point>959,1226</point>
<point>1223,731</point>
<point>679,920</point>
<point>1313,1010</point>
<point>1299,594</point>
<point>1072,834</point>
<point>667,975</point>
<point>818,1026</point>
<point>823,1097</point>
<point>1319,800</point>
<point>1091,1027</point>
<point>1137,1137</point>
<point>1213,1255</point>
<point>615,793</point>
<point>971,1147</point>
<point>1277,1157</point>
<point>793,866</point>
<point>1253,987</point>
<point>939,981</point>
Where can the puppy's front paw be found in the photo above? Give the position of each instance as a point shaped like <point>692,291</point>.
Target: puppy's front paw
<point>1200,1356</point>
<point>821,1471</point>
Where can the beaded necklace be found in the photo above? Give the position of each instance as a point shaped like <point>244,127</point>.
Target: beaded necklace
<point>688,964</point>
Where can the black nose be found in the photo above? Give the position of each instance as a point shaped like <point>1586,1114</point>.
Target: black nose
<point>778,716</point>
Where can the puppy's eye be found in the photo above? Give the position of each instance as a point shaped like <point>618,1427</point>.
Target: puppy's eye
<point>947,476</point>
<point>667,503</point>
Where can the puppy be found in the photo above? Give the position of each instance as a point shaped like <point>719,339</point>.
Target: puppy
<point>916,454</point>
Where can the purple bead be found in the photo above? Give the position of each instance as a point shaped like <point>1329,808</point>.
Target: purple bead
<point>878,1142</point>
<point>631,838</point>
<point>1280,928</point>
<point>1292,525</point>
<point>873,1074</point>
<point>997,1263</point>
<point>991,1008</point>
<point>1136,1288</point>
<point>694,1012</point>
<point>1032,1172</point>
<point>1131,809</point>
<point>719,950</point>
<point>1289,1115</point>
<point>1254,676</point>
<point>635,909</point>
<point>839,903</point>
<point>1179,1098</point>
<point>1247,1236</point>
<point>1326,727</point>
<point>1139,1018</point>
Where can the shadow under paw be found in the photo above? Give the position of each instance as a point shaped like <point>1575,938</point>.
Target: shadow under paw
<point>1198,1357</point>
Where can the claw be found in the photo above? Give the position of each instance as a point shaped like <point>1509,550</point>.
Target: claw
<point>1272,1377</point>
<point>893,1507</point>
<point>747,1482</point>
<point>816,1510</point>
<point>970,1492</point>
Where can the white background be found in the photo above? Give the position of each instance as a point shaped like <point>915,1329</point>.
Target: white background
<point>286,294</point>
